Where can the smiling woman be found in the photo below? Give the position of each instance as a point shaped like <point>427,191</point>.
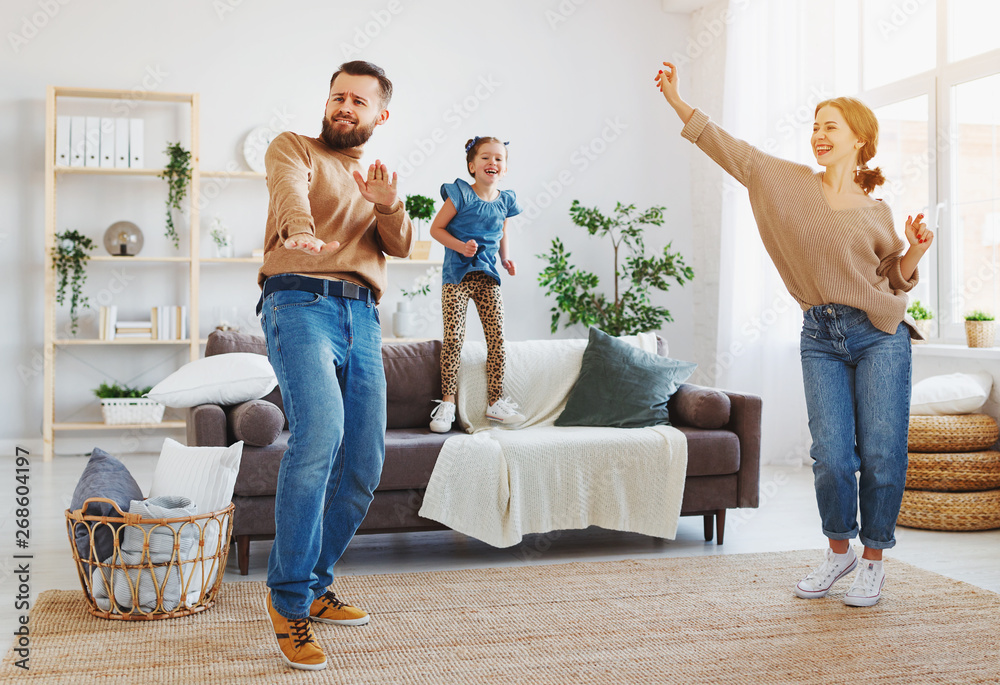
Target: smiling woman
<point>839,256</point>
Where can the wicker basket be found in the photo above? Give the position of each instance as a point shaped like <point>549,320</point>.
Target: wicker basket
<point>950,510</point>
<point>953,472</point>
<point>960,433</point>
<point>196,579</point>
<point>980,333</point>
<point>129,410</point>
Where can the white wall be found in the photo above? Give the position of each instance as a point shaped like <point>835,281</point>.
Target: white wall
<point>551,76</point>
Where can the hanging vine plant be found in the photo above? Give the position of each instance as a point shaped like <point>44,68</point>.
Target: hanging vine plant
<point>178,176</point>
<point>69,259</point>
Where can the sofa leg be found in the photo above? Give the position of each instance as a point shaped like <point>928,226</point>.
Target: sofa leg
<point>243,554</point>
<point>709,521</point>
<point>720,526</point>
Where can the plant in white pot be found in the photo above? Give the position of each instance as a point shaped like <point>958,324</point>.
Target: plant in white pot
<point>980,329</point>
<point>421,209</point>
<point>922,317</point>
<point>405,322</point>
<point>122,404</point>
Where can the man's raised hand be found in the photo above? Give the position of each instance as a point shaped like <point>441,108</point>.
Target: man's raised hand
<point>378,188</point>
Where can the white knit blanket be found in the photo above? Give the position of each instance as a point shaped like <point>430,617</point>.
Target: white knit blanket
<point>499,484</point>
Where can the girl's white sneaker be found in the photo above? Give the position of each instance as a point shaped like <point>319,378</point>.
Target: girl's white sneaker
<point>504,411</point>
<point>442,416</point>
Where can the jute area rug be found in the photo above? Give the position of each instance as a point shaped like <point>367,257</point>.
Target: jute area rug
<point>711,619</point>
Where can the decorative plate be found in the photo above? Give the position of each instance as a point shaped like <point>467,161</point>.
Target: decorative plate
<point>255,145</point>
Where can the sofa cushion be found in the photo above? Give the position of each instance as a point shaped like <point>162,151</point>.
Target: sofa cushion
<point>255,422</point>
<point>224,342</point>
<point>711,452</point>
<point>103,476</point>
<point>204,475</point>
<point>622,386</point>
<point>221,379</point>
<point>694,405</point>
<point>410,455</point>
<point>258,474</point>
<point>413,382</point>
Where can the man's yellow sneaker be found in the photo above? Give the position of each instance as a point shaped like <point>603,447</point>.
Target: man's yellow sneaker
<point>328,609</point>
<point>296,641</point>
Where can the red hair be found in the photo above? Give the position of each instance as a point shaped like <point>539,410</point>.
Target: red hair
<point>864,125</point>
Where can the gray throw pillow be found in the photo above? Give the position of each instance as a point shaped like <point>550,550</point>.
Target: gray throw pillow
<point>104,476</point>
<point>256,422</point>
<point>622,386</point>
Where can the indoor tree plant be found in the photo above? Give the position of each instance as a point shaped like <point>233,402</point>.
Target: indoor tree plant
<point>122,404</point>
<point>178,175</point>
<point>421,209</point>
<point>69,259</point>
<point>980,329</point>
<point>636,275</point>
<point>922,317</point>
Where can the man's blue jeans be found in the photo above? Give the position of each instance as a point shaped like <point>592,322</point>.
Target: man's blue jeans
<point>327,354</point>
<point>857,383</point>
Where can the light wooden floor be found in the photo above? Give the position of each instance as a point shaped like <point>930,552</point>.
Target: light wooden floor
<point>786,520</point>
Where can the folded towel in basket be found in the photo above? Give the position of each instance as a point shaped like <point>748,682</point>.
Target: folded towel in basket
<point>158,576</point>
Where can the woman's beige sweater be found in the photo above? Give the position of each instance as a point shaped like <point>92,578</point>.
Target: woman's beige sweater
<point>824,256</point>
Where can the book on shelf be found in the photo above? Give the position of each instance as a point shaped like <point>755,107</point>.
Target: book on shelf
<point>108,322</point>
<point>169,322</point>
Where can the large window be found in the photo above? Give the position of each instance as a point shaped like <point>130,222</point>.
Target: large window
<point>931,71</point>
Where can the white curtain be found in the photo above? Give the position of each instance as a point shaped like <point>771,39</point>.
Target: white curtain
<point>779,64</point>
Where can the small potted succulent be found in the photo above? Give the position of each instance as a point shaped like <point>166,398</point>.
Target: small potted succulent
<point>980,329</point>
<point>922,317</point>
<point>421,209</point>
<point>122,404</point>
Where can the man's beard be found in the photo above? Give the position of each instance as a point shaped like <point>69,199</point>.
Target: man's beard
<point>357,135</point>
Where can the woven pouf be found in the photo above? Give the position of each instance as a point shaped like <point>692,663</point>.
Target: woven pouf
<point>950,510</point>
<point>959,433</point>
<point>953,471</point>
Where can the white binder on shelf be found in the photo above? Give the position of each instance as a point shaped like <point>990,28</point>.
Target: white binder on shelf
<point>107,143</point>
<point>63,125</point>
<point>135,144</point>
<point>77,141</point>
<point>93,146</point>
<point>121,143</point>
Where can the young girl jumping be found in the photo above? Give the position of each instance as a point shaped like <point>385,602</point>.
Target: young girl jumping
<point>472,225</point>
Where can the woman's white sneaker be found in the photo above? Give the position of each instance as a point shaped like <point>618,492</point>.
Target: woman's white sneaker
<point>834,567</point>
<point>442,416</point>
<point>867,587</point>
<point>504,411</point>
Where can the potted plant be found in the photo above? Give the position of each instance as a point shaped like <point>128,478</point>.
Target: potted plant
<point>637,275</point>
<point>980,329</point>
<point>69,259</point>
<point>222,238</point>
<point>122,404</point>
<point>421,209</point>
<point>404,321</point>
<point>177,173</point>
<point>922,317</point>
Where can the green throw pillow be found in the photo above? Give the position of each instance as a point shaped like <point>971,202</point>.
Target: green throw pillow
<point>622,386</point>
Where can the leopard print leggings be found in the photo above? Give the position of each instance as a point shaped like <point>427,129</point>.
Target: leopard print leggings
<point>485,292</point>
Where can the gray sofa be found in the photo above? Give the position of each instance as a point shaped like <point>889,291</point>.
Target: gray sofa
<point>722,430</point>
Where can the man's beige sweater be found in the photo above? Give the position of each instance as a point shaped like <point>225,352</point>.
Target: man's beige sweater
<point>824,256</point>
<point>312,190</point>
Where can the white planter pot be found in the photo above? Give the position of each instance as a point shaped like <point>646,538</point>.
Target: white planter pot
<point>404,321</point>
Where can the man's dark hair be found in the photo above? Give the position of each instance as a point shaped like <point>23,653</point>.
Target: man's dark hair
<point>362,68</point>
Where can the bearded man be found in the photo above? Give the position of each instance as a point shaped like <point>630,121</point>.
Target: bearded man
<point>328,230</point>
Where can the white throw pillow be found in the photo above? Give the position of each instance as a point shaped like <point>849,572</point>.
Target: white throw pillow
<point>206,476</point>
<point>220,379</point>
<point>953,393</point>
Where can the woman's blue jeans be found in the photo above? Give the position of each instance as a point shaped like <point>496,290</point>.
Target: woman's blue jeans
<point>327,354</point>
<point>857,383</point>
